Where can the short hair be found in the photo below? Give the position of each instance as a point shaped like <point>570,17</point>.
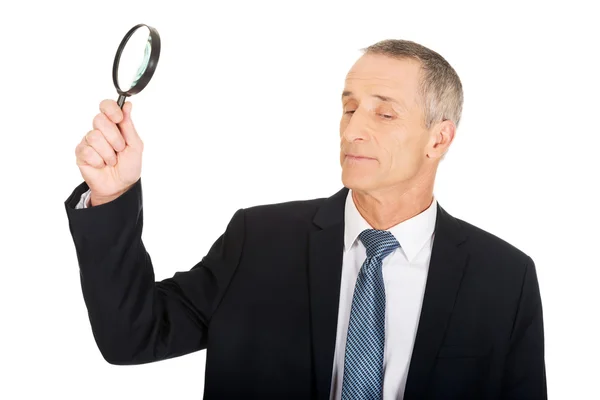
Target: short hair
<point>441,93</point>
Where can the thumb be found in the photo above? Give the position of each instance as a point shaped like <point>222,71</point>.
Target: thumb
<point>128,129</point>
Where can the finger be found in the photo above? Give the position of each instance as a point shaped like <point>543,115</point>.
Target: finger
<point>98,142</point>
<point>110,131</point>
<point>128,129</point>
<point>112,110</point>
<point>86,155</point>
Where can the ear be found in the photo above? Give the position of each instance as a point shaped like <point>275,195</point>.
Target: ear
<point>442,135</point>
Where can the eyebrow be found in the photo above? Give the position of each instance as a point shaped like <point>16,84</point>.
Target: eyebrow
<point>347,93</point>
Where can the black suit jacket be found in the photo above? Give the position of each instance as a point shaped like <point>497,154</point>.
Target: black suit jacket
<point>264,302</point>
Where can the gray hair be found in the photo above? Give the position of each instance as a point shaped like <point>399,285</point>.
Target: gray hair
<point>441,94</point>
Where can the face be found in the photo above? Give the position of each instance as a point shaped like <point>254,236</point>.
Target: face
<point>383,122</point>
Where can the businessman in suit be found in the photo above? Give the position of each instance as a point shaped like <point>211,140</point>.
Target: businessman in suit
<point>375,292</point>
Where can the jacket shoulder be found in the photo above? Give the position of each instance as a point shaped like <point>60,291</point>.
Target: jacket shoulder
<point>285,212</point>
<point>490,246</point>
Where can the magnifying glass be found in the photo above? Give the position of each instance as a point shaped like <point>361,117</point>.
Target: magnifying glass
<point>135,61</point>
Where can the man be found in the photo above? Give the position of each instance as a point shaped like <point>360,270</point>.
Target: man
<point>373,293</point>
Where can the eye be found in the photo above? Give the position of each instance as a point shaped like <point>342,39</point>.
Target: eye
<point>349,112</point>
<point>386,116</point>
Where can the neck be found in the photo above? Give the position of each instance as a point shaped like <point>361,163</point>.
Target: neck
<point>385,208</point>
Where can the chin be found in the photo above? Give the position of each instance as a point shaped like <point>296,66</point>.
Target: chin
<point>357,181</point>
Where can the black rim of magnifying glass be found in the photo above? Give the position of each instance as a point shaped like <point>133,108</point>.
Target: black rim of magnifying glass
<point>152,62</point>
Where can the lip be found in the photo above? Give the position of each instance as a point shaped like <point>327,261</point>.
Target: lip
<point>357,157</point>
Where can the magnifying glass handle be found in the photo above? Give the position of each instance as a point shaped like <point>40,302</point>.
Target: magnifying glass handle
<point>121,100</point>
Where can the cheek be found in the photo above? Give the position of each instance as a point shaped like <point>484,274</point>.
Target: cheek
<point>395,143</point>
<point>400,150</point>
<point>344,121</point>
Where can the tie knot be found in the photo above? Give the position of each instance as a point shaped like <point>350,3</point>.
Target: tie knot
<point>378,243</point>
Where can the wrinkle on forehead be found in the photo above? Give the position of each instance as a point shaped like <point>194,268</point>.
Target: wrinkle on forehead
<point>383,87</point>
<point>377,74</point>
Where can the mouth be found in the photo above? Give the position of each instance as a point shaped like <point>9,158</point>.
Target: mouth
<point>357,157</point>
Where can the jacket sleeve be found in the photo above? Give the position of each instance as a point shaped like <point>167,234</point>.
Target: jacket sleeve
<point>135,319</point>
<point>525,371</point>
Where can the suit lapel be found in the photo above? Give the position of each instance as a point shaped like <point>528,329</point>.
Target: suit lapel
<point>324,276</point>
<point>446,268</point>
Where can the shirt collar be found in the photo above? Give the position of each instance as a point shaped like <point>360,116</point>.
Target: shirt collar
<point>411,234</point>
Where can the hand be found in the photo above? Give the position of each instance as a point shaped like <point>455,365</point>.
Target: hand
<point>110,156</point>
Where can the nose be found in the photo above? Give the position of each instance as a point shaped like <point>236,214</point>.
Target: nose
<point>354,127</point>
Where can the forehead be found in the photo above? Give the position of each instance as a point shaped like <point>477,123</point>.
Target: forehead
<point>375,73</point>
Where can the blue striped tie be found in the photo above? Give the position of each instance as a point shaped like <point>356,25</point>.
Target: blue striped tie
<point>363,362</point>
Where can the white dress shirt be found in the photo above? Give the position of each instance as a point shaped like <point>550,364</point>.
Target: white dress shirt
<point>404,275</point>
<point>84,201</point>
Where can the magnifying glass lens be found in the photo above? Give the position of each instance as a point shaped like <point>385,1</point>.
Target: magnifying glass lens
<point>134,58</point>
<point>145,62</point>
<point>135,61</point>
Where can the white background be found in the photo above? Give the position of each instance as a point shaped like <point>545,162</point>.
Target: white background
<point>243,110</point>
